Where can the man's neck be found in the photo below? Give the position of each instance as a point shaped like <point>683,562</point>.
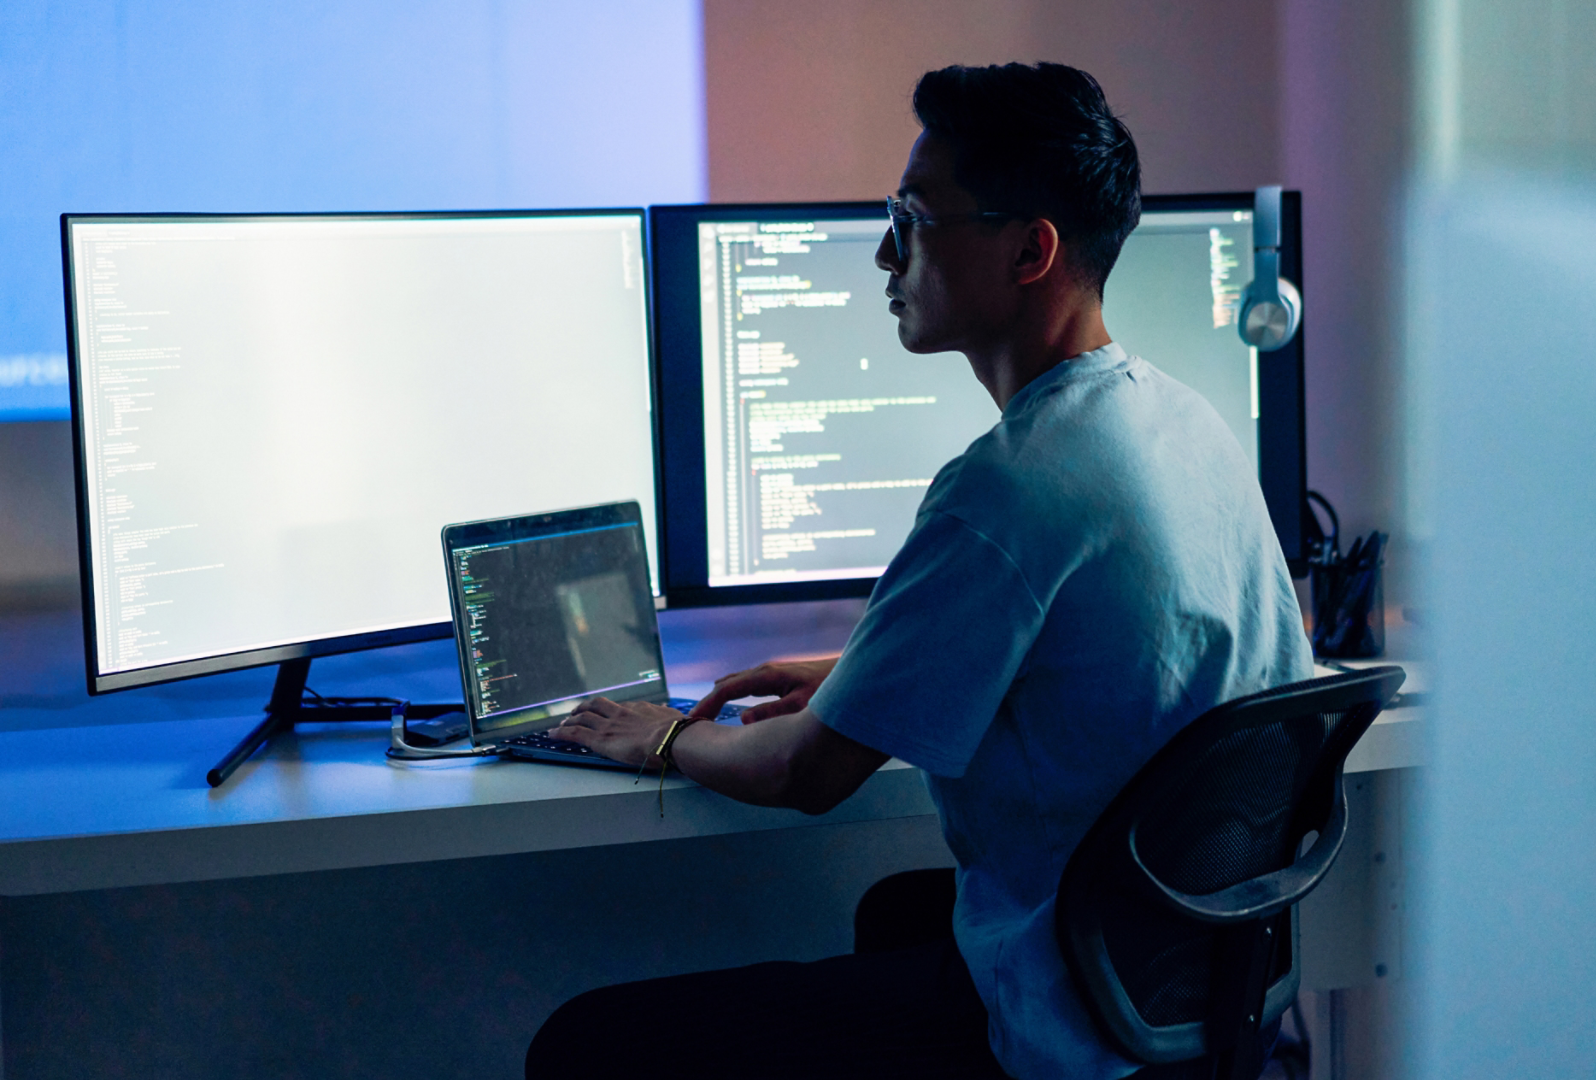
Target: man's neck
<point>1036,347</point>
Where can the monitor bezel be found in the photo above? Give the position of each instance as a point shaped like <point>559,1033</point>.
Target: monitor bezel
<point>99,682</point>
<point>678,366</point>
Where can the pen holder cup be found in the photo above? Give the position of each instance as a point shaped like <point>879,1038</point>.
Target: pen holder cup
<point>1348,610</point>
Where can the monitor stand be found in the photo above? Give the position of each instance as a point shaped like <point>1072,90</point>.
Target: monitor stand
<point>289,705</point>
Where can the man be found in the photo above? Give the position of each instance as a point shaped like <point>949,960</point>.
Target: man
<point>1088,577</point>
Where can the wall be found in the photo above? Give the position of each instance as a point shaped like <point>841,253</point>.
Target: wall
<point>38,522</point>
<point>809,99</point>
<point>1346,141</point>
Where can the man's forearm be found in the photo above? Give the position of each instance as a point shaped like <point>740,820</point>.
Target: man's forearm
<point>793,761</point>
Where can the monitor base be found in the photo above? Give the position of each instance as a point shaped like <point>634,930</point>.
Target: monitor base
<point>290,705</point>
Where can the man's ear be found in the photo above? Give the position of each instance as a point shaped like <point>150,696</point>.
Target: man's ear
<point>1040,250</point>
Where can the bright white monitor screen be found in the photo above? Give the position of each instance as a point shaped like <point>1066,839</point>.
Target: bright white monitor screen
<point>821,434</point>
<point>278,415</point>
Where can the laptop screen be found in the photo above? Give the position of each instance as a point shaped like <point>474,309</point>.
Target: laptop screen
<point>551,610</point>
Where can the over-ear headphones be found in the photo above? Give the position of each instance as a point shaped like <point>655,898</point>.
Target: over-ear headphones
<point>1271,308</point>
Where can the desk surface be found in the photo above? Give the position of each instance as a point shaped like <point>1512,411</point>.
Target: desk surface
<point>1396,739</point>
<point>89,802</point>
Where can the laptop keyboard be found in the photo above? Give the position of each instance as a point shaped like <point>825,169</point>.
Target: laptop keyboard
<point>537,740</point>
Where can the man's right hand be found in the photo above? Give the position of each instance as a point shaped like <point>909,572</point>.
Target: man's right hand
<point>794,682</point>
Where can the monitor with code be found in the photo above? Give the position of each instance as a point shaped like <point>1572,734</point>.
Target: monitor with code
<point>276,414</point>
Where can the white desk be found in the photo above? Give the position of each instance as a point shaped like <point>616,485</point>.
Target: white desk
<point>90,801</point>
<point>105,807</point>
<point>1396,738</point>
<point>110,806</point>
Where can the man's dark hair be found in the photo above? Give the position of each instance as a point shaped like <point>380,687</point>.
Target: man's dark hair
<point>1040,141</point>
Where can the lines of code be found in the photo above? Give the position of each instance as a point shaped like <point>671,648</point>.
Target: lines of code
<point>557,619</point>
<point>128,364</point>
<point>822,433</point>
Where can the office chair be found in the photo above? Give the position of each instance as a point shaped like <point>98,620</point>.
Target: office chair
<point>1177,914</point>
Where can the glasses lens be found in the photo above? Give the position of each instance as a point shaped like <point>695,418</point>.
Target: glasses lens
<point>894,211</point>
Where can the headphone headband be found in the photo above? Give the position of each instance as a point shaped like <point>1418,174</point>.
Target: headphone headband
<point>1272,308</point>
<point>1266,217</point>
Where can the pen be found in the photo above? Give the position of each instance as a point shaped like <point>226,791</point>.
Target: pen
<point>1371,550</point>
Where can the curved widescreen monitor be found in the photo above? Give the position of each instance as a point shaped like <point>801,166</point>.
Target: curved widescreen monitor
<point>798,436</point>
<point>274,415</point>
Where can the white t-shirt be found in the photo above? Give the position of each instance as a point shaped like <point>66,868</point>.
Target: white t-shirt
<point>1087,578</point>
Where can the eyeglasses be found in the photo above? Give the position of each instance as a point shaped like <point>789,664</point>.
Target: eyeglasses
<point>902,219</point>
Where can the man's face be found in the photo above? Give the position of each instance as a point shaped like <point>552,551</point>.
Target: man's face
<point>954,289</point>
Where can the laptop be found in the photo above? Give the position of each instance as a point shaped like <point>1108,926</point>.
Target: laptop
<point>551,610</point>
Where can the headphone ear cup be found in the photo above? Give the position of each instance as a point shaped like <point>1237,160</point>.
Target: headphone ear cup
<point>1266,325</point>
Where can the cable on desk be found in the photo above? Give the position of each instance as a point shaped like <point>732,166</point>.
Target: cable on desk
<point>316,701</point>
<point>401,750</point>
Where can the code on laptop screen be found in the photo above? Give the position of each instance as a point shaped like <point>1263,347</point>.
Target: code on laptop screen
<point>553,620</point>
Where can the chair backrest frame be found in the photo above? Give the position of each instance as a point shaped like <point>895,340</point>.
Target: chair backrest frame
<point>1108,858</point>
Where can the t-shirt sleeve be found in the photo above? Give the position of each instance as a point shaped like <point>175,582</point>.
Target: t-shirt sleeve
<point>947,630</point>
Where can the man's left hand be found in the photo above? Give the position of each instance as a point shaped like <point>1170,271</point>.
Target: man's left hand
<point>628,732</point>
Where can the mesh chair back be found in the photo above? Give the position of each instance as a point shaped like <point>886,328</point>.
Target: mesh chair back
<point>1203,839</point>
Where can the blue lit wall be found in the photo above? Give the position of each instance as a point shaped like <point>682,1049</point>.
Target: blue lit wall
<point>150,105</point>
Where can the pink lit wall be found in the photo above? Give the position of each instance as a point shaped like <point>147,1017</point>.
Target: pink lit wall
<point>809,99</point>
